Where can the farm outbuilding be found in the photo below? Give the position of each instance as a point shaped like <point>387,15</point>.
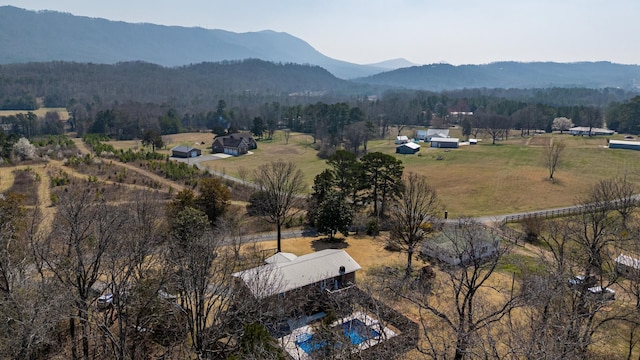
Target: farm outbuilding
<point>450,143</point>
<point>408,148</point>
<point>402,139</point>
<point>184,151</point>
<point>624,144</point>
<point>585,130</point>
<point>421,135</point>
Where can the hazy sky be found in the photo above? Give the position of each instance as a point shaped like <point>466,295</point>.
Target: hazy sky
<point>421,31</point>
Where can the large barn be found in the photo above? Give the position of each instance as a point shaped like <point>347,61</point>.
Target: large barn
<point>450,143</point>
<point>624,144</point>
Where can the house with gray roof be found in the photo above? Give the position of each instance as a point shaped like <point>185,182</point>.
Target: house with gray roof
<point>329,269</point>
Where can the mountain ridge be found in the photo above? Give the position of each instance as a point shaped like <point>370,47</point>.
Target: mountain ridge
<point>57,36</point>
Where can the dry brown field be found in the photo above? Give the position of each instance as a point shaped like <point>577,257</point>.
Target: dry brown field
<point>41,112</point>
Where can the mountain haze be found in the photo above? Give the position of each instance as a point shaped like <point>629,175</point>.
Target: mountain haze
<point>438,77</point>
<point>28,36</point>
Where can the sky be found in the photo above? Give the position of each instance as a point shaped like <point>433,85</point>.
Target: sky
<point>420,31</point>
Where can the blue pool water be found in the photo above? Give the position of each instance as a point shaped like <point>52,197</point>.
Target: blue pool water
<point>355,330</point>
<point>307,343</point>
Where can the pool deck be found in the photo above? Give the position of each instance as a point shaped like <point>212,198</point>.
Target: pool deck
<point>288,342</point>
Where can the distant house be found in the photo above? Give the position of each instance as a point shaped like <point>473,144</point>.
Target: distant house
<point>251,142</point>
<point>421,135</point>
<point>628,266</point>
<point>408,148</point>
<point>402,139</point>
<point>585,130</point>
<point>452,249</point>
<point>438,142</point>
<point>624,144</point>
<point>436,133</point>
<point>184,151</point>
<point>329,269</point>
<point>230,145</point>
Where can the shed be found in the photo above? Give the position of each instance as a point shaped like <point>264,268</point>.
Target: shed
<point>184,151</point>
<point>408,148</point>
<point>444,142</point>
<point>624,144</point>
<point>402,139</point>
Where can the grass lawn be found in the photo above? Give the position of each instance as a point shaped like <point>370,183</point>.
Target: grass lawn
<point>299,150</point>
<point>472,180</point>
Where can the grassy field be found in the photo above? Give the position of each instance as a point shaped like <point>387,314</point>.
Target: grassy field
<point>299,150</point>
<point>473,180</point>
<point>64,115</point>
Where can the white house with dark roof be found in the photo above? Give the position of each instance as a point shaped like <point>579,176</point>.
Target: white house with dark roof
<point>329,269</point>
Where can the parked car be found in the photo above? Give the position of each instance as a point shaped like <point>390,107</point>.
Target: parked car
<point>105,301</point>
<point>582,281</point>
<point>605,293</point>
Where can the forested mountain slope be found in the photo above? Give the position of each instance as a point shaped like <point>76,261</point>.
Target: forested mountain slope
<point>437,77</point>
<point>28,36</point>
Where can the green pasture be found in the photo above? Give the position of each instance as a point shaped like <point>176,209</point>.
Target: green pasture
<point>474,180</point>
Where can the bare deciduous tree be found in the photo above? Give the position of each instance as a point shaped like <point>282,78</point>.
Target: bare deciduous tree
<point>552,153</point>
<point>457,326</point>
<point>86,228</point>
<point>413,215</point>
<point>283,184</point>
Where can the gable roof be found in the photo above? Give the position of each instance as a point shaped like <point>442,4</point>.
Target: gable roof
<point>410,145</point>
<point>281,275</point>
<point>438,132</point>
<point>445,140</point>
<point>628,261</point>
<point>183,148</point>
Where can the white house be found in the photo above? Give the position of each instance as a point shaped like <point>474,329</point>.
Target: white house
<point>402,139</point>
<point>436,133</point>
<point>421,135</point>
<point>329,269</point>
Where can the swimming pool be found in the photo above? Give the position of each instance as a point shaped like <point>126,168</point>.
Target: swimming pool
<point>354,330</point>
<point>357,332</point>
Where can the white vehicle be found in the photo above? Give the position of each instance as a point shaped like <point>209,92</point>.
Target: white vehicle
<point>105,301</point>
<point>605,293</point>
